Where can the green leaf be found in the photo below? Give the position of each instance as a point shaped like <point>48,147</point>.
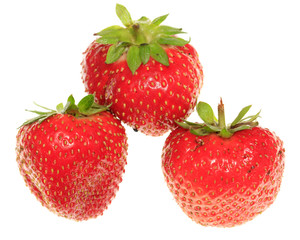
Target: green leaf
<point>96,105</point>
<point>40,118</point>
<point>145,53</point>
<point>133,58</point>
<point>198,132</point>
<point>109,30</point>
<point>144,20</point>
<point>242,127</point>
<point>122,35</point>
<point>41,115</point>
<point>32,120</point>
<point>159,54</point>
<point>59,107</point>
<point>107,40</point>
<point>168,40</point>
<point>43,107</point>
<point>183,125</point>
<point>43,118</point>
<point>212,128</point>
<point>157,21</point>
<point>194,124</point>
<point>240,116</point>
<point>95,110</point>
<point>252,118</point>
<point>114,53</point>
<point>70,105</point>
<point>206,113</point>
<point>85,103</point>
<point>38,112</point>
<point>167,30</point>
<point>123,15</point>
<point>252,124</point>
<point>71,99</point>
<point>86,106</point>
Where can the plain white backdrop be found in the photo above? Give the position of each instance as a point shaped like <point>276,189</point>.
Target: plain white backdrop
<point>250,54</point>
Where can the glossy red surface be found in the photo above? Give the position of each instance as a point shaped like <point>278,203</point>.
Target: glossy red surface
<point>152,98</point>
<point>223,182</point>
<point>73,165</point>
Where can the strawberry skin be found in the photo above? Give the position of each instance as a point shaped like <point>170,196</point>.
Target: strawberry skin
<point>154,96</point>
<point>223,182</point>
<point>147,74</point>
<point>73,165</point>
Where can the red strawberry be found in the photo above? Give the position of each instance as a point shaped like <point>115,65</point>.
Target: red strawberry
<point>223,175</point>
<point>73,159</point>
<point>150,77</point>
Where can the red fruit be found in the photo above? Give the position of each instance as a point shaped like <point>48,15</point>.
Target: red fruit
<point>150,77</point>
<point>73,159</point>
<point>220,179</point>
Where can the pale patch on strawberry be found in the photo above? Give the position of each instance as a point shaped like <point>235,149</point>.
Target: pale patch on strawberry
<point>73,158</point>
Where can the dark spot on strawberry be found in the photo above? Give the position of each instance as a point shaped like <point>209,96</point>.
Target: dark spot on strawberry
<point>199,143</point>
<point>280,152</point>
<point>252,167</point>
<point>268,173</point>
<point>134,129</point>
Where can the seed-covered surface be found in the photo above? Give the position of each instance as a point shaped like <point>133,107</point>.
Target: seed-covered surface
<point>223,182</point>
<point>73,165</point>
<point>152,98</point>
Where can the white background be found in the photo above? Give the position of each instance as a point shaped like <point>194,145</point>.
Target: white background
<point>250,54</point>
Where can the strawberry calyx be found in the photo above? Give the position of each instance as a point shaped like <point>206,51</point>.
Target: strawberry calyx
<point>84,108</point>
<point>140,39</point>
<point>213,125</point>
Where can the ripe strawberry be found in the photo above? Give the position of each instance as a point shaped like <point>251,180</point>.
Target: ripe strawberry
<point>150,77</point>
<point>73,159</point>
<point>223,175</point>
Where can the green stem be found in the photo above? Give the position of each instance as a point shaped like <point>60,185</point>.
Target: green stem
<point>139,37</point>
<point>224,133</point>
<point>221,115</point>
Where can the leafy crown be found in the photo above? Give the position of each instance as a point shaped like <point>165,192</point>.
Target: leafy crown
<point>85,107</point>
<point>213,125</point>
<point>140,39</point>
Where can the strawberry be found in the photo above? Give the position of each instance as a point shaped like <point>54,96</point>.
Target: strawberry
<point>149,76</point>
<point>223,175</point>
<point>72,159</point>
